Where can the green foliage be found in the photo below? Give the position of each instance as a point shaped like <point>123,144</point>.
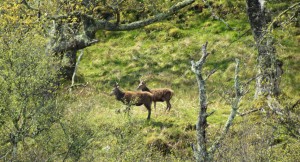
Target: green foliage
<point>165,62</point>
<point>28,86</point>
<point>86,124</point>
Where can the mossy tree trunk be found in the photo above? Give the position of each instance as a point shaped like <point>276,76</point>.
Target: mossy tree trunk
<point>200,150</point>
<point>64,41</point>
<point>269,68</point>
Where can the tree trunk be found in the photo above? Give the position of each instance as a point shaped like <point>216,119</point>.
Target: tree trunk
<point>267,82</point>
<point>65,40</point>
<point>68,69</point>
<point>201,154</point>
<point>200,151</point>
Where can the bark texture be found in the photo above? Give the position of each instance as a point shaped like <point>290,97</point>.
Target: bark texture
<point>200,150</point>
<point>268,77</point>
<point>66,42</point>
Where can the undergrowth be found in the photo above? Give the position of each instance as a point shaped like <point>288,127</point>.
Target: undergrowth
<point>161,54</point>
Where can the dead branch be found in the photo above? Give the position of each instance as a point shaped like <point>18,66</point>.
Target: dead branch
<point>249,112</point>
<point>74,74</point>
<point>210,73</point>
<point>86,37</point>
<point>296,104</point>
<point>215,16</point>
<point>209,114</point>
<point>282,13</point>
<point>76,67</point>
<point>196,67</point>
<point>234,108</point>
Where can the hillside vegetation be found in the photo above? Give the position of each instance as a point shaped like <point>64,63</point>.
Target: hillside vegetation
<point>95,127</point>
<point>161,55</point>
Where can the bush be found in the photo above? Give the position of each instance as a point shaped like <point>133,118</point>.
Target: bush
<point>28,102</point>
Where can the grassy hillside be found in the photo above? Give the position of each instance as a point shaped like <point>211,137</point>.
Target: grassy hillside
<point>161,55</point>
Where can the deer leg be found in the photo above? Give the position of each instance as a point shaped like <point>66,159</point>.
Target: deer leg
<point>154,105</point>
<point>149,114</point>
<point>127,110</point>
<point>149,111</point>
<point>168,105</point>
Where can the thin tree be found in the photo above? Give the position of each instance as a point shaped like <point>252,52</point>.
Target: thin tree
<point>202,152</point>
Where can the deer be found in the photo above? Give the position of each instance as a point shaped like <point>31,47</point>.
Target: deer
<point>133,98</point>
<point>159,95</point>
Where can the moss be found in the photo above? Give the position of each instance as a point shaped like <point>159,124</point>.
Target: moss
<point>162,26</point>
<point>161,53</point>
<point>175,33</point>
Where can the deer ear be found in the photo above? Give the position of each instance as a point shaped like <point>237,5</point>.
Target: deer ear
<point>116,84</point>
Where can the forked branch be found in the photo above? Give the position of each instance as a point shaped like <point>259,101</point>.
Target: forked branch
<point>234,108</point>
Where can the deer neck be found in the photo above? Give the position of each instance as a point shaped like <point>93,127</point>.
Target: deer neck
<point>146,89</point>
<point>120,94</point>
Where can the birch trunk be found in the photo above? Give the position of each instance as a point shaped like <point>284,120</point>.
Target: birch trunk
<point>200,151</point>
<point>268,78</point>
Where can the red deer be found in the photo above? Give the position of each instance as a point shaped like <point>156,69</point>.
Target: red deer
<point>159,95</point>
<point>133,98</point>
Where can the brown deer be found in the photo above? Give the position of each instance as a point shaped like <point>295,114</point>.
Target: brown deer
<point>133,98</point>
<point>159,95</point>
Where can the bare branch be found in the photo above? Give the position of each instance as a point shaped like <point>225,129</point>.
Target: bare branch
<point>198,65</point>
<point>214,15</point>
<point>209,114</point>
<point>106,25</point>
<point>86,38</point>
<point>210,73</point>
<point>294,105</point>
<point>249,112</point>
<point>234,108</point>
<point>282,13</point>
<point>75,70</point>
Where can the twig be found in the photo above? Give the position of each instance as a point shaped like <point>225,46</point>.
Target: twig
<point>269,27</point>
<point>294,105</point>
<point>217,17</point>
<point>76,66</point>
<point>209,114</point>
<point>210,73</point>
<point>241,36</point>
<point>234,108</point>
<point>283,12</point>
<point>249,112</point>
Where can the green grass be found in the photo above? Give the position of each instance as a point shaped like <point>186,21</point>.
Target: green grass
<point>161,54</point>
